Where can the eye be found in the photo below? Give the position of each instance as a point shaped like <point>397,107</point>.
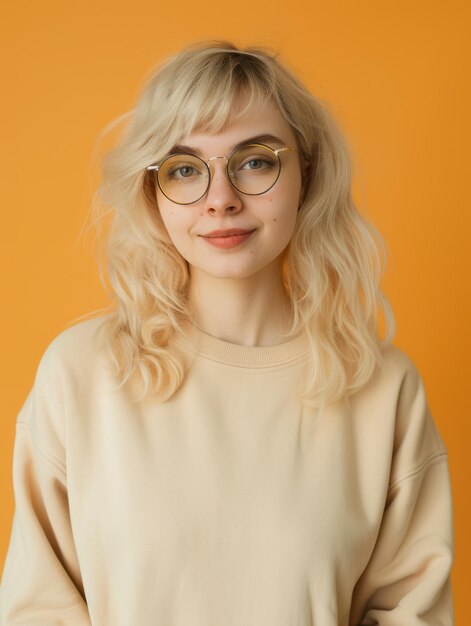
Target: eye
<point>180,171</point>
<point>256,163</point>
<point>185,170</point>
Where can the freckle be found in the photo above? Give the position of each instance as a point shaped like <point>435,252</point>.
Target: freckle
<point>274,219</point>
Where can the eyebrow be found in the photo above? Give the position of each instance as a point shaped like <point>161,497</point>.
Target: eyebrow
<point>180,149</point>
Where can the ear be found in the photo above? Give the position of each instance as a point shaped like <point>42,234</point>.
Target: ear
<point>302,193</point>
<point>301,197</point>
<point>305,178</point>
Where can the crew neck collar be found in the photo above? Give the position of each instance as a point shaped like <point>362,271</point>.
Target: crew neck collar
<point>222,351</point>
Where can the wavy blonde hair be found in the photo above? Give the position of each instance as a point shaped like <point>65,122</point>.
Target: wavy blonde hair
<point>331,268</point>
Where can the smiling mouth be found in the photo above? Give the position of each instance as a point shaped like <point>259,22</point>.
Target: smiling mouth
<point>234,233</point>
<point>228,241</point>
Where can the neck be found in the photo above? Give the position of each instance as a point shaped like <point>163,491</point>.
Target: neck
<point>251,311</point>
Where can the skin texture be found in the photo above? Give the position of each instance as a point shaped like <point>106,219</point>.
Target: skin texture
<point>237,294</point>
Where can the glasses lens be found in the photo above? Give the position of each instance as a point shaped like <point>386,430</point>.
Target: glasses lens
<point>254,169</point>
<point>183,178</point>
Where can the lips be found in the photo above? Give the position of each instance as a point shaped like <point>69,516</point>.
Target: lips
<point>228,232</point>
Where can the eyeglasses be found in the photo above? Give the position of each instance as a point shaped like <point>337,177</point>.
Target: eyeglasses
<point>252,169</point>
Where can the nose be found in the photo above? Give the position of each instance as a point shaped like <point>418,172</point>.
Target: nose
<point>221,195</point>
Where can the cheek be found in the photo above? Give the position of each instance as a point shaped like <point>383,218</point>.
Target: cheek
<point>174,219</point>
<point>168,218</point>
<point>284,200</point>
<point>176,233</point>
<point>179,226</point>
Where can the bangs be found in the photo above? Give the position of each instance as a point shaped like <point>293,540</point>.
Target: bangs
<point>214,97</point>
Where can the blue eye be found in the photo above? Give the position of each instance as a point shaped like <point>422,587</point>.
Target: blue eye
<point>258,164</point>
<point>184,170</point>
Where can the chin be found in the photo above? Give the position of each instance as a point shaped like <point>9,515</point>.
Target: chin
<point>227,270</point>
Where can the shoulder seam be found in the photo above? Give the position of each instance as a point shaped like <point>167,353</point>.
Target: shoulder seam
<point>435,458</point>
<point>49,457</point>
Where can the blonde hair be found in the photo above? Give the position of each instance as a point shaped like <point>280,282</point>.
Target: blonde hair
<point>331,267</point>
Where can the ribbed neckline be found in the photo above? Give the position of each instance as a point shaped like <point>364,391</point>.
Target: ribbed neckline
<point>210,347</point>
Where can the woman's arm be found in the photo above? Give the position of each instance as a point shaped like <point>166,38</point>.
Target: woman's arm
<point>407,580</point>
<point>41,582</point>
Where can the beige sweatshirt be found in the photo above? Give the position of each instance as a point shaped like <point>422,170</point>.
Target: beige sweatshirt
<point>230,504</point>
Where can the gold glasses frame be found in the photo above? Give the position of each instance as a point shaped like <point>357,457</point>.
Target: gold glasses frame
<point>156,167</point>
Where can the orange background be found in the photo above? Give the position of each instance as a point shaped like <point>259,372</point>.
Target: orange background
<point>397,79</point>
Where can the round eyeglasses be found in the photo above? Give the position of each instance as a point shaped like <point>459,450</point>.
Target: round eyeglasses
<point>252,169</point>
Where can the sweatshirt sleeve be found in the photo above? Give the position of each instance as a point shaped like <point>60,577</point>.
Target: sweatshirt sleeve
<point>41,582</point>
<point>408,576</point>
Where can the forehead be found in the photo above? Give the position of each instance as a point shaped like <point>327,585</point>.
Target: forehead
<point>242,125</point>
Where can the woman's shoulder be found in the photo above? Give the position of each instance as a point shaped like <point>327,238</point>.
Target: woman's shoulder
<point>396,380</point>
<point>69,366</point>
<point>73,348</point>
<point>397,363</point>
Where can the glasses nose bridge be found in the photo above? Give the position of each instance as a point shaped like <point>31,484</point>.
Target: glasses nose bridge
<point>225,167</point>
<point>218,157</point>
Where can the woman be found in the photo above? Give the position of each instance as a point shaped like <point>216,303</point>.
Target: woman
<point>232,442</point>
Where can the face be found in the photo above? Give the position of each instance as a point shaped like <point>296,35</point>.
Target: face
<point>270,216</point>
